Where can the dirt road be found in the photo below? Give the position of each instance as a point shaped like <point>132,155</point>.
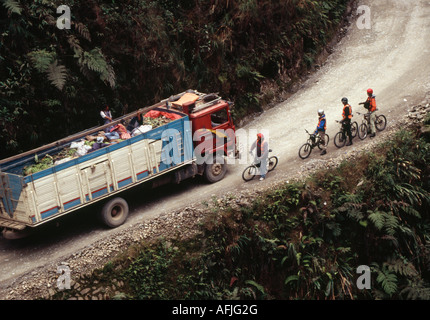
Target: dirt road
<point>392,57</point>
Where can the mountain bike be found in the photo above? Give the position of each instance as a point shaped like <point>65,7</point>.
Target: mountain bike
<point>354,129</point>
<point>364,129</point>
<point>340,137</point>
<point>313,141</point>
<point>254,169</point>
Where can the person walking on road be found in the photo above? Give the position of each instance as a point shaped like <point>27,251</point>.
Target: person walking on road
<point>346,120</point>
<point>320,130</point>
<point>262,154</point>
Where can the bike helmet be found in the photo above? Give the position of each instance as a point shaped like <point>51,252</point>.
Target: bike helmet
<point>344,100</point>
<point>370,91</point>
<point>320,112</point>
<point>260,136</point>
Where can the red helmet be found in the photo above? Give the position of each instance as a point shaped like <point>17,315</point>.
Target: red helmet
<point>370,91</point>
<point>260,136</point>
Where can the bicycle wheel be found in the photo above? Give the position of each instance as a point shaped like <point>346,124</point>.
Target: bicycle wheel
<point>249,173</point>
<point>354,129</point>
<point>339,139</point>
<point>305,150</point>
<point>273,162</point>
<point>362,131</point>
<point>380,122</point>
<point>326,140</point>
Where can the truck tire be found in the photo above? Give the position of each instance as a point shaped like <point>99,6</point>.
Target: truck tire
<point>114,212</point>
<point>216,171</point>
<point>11,234</point>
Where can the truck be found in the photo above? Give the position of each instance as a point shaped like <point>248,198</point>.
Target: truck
<point>196,141</point>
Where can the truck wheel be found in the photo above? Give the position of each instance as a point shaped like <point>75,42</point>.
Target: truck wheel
<point>11,234</point>
<point>114,212</point>
<point>215,172</point>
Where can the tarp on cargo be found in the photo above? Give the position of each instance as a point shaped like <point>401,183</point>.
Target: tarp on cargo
<point>187,97</point>
<point>159,113</point>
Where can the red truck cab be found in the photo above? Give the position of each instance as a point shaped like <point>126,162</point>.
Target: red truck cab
<point>212,127</point>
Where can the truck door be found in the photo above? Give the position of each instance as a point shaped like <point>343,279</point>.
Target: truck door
<point>223,133</point>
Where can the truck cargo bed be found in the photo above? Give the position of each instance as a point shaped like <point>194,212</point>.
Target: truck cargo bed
<point>39,197</point>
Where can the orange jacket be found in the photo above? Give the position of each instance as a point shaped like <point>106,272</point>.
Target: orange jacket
<point>322,124</point>
<point>262,148</point>
<point>372,103</point>
<point>347,112</point>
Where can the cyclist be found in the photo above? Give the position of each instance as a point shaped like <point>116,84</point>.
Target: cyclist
<point>370,104</point>
<point>320,130</point>
<point>262,154</point>
<point>346,120</point>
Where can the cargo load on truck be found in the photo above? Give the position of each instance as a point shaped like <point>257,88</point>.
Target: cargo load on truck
<point>95,141</point>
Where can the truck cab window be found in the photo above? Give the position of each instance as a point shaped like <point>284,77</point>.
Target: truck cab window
<point>218,118</point>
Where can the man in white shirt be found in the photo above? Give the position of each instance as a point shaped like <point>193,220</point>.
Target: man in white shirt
<point>106,116</point>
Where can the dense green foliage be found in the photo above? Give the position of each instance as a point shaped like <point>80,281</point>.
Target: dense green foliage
<point>306,240</point>
<point>130,54</point>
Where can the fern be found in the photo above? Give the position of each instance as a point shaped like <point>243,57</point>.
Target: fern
<point>383,220</point>
<point>401,267</point>
<point>44,61</point>
<point>401,206</point>
<point>351,204</point>
<point>415,195</point>
<point>85,71</point>
<point>95,61</point>
<point>12,6</point>
<point>391,224</point>
<point>57,74</point>
<point>75,45</point>
<point>417,290</point>
<point>41,59</point>
<point>377,218</point>
<point>388,282</point>
<point>109,77</point>
<point>83,30</point>
<point>393,239</point>
<point>411,211</point>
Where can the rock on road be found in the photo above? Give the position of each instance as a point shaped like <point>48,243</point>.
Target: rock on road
<point>392,57</point>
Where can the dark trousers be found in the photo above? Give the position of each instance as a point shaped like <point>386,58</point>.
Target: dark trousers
<point>347,128</point>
